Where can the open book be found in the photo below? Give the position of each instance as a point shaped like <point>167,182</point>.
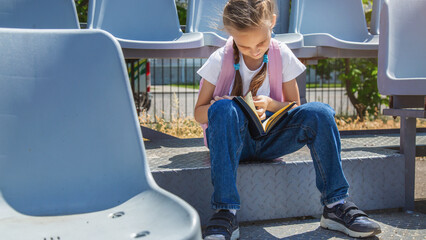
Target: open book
<point>256,127</point>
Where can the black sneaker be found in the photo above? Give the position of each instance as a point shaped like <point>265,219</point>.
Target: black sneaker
<point>347,218</point>
<point>222,225</point>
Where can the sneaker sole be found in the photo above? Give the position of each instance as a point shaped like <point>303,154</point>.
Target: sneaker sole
<point>332,225</point>
<point>235,235</point>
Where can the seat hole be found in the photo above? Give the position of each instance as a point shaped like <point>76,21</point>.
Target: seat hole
<point>116,215</point>
<point>140,234</point>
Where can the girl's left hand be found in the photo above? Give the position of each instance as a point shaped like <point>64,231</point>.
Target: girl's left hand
<point>217,98</point>
<point>261,102</point>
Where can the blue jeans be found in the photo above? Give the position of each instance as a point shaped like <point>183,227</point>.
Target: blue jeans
<point>230,142</point>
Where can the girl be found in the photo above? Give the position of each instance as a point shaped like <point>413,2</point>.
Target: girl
<point>250,24</point>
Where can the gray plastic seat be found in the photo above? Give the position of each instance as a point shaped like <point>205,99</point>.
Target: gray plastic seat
<point>332,23</point>
<point>40,14</point>
<point>72,160</point>
<point>375,17</point>
<point>148,24</point>
<point>293,40</point>
<point>402,52</point>
<point>206,16</point>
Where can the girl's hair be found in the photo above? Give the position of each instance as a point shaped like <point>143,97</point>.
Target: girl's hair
<point>242,15</point>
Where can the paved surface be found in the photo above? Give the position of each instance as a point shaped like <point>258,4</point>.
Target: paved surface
<point>395,225</point>
<point>420,184</point>
<point>176,154</point>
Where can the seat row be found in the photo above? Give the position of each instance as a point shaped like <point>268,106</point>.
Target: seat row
<point>326,28</point>
<point>154,25</point>
<point>69,173</point>
<point>332,23</point>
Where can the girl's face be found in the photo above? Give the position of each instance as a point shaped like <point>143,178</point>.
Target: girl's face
<point>253,42</point>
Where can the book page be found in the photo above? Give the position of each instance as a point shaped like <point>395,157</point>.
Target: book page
<point>271,120</point>
<point>249,100</point>
<point>265,123</point>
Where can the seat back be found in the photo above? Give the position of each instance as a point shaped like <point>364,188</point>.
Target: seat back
<point>70,139</point>
<point>206,16</point>
<point>343,19</point>
<point>375,17</point>
<point>147,20</point>
<point>402,52</point>
<point>283,16</point>
<point>38,14</point>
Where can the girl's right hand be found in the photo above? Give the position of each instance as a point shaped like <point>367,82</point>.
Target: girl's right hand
<point>217,98</point>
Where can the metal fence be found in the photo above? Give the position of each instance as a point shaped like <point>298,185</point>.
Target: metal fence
<point>175,84</point>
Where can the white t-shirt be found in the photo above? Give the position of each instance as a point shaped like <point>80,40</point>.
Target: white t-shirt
<point>292,68</point>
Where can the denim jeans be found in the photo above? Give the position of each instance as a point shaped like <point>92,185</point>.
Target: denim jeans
<point>230,142</point>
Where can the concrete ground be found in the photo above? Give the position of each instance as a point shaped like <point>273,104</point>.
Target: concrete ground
<point>420,185</point>
<point>395,223</point>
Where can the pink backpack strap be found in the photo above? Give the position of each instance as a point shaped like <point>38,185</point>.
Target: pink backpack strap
<point>227,72</point>
<point>275,69</point>
<point>225,78</point>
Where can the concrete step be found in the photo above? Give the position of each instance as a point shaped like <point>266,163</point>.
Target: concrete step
<point>284,187</point>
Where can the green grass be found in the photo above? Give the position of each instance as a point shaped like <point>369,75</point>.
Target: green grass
<point>324,85</point>
<point>191,86</point>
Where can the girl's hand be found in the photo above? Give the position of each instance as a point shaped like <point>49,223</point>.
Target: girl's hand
<point>261,102</point>
<point>217,98</point>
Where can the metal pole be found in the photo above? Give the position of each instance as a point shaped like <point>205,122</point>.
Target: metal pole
<point>178,87</point>
<point>186,86</point>
<point>170,89</point>
<point>153,79</point>
<point>162,87</point>
<point>408,148</point>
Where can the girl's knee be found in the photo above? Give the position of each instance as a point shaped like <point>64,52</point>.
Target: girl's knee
<point>223,110</point>
<point>318,108</point>
<point>317,111</point>
<point>221,107</point>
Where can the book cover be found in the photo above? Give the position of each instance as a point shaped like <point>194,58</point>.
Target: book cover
<point>256,126</point>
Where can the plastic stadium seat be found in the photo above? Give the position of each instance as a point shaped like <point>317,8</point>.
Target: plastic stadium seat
<point>402,52</point>
<point>72,160</point>
<point>293,40</point>
<point>148,24</point>
<point>332,23</point>
<point>38,14</point>
<point>375,17</point>
<point>206,16</point>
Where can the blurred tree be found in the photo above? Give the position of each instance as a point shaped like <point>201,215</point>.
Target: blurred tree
<point>360,80</point>
<point>368,10</point>
<point>82,7</point>
<point>181,7</point>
